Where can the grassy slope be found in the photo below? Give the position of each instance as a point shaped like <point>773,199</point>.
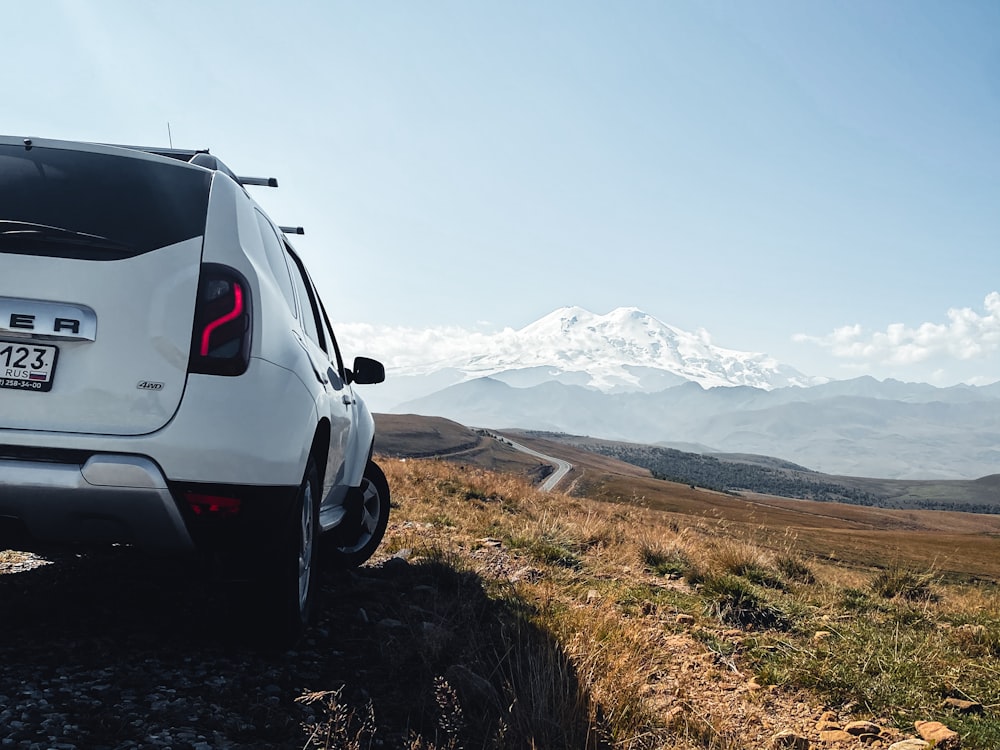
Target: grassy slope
<point>907,598</point>
<point>961,545</point>
<point>590,596</point>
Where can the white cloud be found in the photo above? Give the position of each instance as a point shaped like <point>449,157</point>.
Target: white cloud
<point>967,335</point>
<point>401,348</point>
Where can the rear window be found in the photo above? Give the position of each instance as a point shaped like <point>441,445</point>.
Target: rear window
<point>137,205</point>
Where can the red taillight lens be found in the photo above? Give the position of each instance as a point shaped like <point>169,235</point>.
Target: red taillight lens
<point>236,312</point>
<point>217,506</point>
<point>220,342</point>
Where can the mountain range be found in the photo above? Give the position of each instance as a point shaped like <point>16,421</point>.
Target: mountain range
<point>627,376</point>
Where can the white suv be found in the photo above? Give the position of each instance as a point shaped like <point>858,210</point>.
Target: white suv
<point>169,377</point>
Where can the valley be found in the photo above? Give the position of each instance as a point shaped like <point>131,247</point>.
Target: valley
<point>961,545</point>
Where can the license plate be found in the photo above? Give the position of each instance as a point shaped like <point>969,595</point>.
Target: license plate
<point>27,366</point>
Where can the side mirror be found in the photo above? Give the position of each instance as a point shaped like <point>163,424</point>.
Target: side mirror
<point>366,371</point>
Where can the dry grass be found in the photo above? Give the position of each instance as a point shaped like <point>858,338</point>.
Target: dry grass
<point>645,626</point>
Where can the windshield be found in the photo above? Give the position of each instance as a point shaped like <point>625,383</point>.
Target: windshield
<point>132,204</point>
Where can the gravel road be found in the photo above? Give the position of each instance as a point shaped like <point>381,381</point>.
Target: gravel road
<point>113,651</point>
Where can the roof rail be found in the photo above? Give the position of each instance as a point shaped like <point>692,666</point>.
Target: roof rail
<point>292,230</point>
<point>180,154</point>
<point>202,158</point>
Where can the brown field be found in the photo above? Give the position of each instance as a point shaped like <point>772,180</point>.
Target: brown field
<point>693,620</point>
<point>958,545</point>
<point>961,546</point>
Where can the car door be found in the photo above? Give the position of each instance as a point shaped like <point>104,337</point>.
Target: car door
<point>356,447</point>
<point>339,400</point>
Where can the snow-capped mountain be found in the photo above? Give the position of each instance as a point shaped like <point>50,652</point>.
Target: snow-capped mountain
<point>629,350</point>
<point>624,351</point>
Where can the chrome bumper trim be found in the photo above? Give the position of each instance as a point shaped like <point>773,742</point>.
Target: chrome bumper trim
<point>108,499</point>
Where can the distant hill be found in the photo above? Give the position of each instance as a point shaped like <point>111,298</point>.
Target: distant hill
<point>862,428</point>
<point>736,473</point>
<point>415,436</point>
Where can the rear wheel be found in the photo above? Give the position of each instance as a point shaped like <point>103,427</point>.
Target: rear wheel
<point>356,545</point>
<point>290,590</point>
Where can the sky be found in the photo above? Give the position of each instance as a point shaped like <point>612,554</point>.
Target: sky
<point>818,181</point>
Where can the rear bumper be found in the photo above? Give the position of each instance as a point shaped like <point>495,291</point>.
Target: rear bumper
<point>104,499</point>
<point>70,499</point>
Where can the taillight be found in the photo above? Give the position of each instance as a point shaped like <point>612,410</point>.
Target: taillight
<point>220,342</point>
<point>218,506</point>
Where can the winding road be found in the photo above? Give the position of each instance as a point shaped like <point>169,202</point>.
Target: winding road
<point>562,467</point>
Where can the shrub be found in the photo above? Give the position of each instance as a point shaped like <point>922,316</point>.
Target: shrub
<point>794,569</point>
<point>855,600</point>
<point>735,602</point>
<point>904,583</point>
<point>670,561</point>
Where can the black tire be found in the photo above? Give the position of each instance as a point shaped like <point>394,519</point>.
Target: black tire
<point>363,540</point>
<point>290,591</point>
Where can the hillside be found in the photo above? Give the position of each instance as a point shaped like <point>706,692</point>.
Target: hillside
<point>697,621</point>
<point>863,535</point>
<point>418,436</point>
<point>411,436</point>
<point>770,476</point>
<point>854,428</point>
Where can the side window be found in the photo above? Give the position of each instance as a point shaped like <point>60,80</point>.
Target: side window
<point>310,310</point>
<point>276,259</point>
<point>333,339</point>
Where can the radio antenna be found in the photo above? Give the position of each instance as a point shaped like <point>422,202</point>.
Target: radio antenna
<point>170,138</point>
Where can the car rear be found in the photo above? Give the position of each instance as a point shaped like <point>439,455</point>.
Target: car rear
<point>101,258</point>
<point>126,407</point>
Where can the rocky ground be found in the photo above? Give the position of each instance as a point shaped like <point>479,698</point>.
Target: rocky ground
<point>111,651</point>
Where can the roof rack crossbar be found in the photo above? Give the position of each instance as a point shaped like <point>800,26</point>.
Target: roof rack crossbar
<point>262,181</point>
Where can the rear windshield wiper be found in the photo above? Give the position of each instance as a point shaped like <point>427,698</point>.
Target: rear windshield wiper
<point>41,239</point>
